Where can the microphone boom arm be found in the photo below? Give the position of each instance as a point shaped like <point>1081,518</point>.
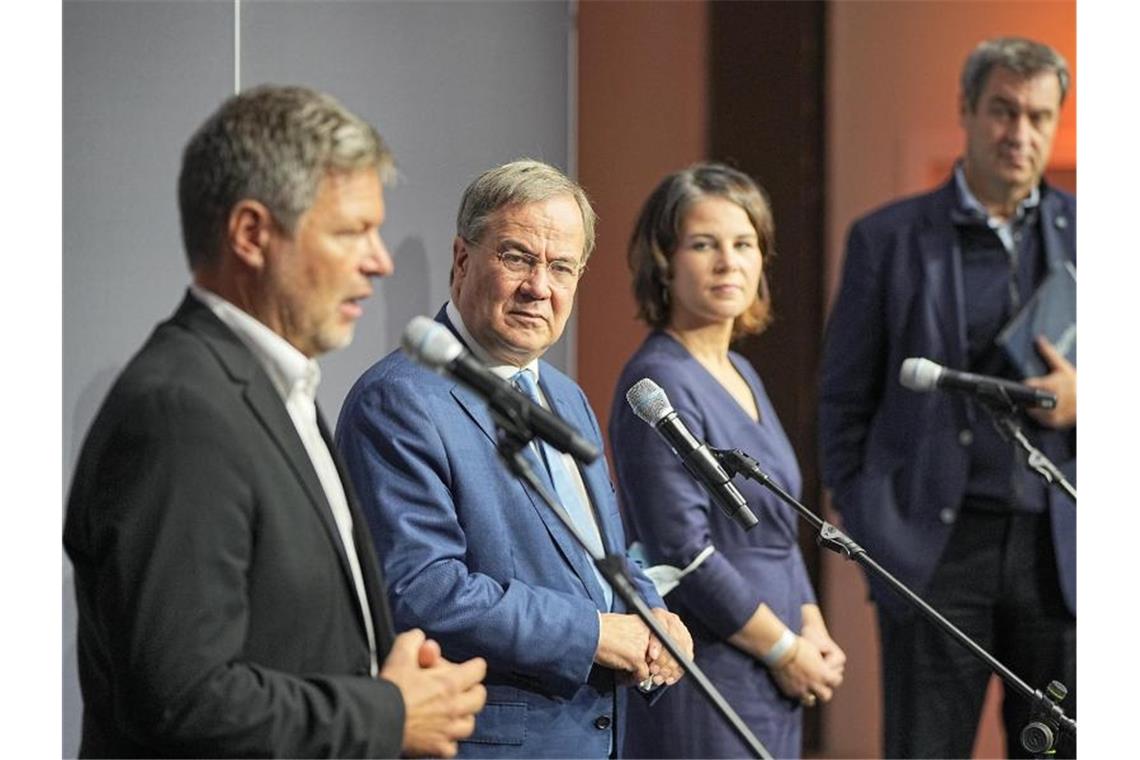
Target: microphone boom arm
<point>1006,424</point>
<point>514,435</point>
<point>1045,707</point>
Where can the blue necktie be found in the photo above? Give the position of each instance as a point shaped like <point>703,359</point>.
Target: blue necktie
<point>565,488</point>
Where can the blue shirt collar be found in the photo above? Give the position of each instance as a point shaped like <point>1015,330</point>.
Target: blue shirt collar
<point>969,202</point>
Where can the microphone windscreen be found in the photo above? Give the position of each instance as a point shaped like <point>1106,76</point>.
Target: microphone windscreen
<point>919,374</point>
<point>430,342</point>
<point>649,402</point>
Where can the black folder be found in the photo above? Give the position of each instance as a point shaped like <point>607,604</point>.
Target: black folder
<point>1052,312</point>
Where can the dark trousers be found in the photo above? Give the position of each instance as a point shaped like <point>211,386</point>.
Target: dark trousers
<point>997,582</point>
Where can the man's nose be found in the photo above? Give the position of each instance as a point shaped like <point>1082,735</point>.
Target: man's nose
<point>1019,129</point>
<point>377,260</point>
<point>537,282</point>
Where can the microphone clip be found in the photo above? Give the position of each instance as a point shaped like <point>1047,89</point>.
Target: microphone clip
<point>512,431</point>
<point>736,462</point>
<point>996,399</point>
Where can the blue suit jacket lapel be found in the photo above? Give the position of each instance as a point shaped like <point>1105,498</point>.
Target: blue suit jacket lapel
<point>594,478</point>
<point>574,555</point>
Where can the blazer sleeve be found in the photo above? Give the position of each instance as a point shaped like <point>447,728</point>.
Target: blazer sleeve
<point>170,534</point>
<point>390,436</point>
<point>670,512</point>
<point>853,361</point>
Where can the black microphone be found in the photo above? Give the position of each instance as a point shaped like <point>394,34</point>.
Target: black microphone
<point>651,404</point>
<point>922,375</point>
<point>433,345</point>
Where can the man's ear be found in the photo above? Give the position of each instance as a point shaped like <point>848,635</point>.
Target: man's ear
<point>250,228</point>
<point>459,254</point>
<point>963,109</point>
<point>460,258</point>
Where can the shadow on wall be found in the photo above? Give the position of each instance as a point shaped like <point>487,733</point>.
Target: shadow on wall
<point>394,302</point>
<point>411,294</point>
<point>71,701</point>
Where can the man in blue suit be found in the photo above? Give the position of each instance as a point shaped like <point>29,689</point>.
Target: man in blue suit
<point>472,555</point>
<point>924,481</point>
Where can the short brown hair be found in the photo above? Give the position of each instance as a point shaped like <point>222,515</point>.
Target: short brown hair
<point>658,229</point>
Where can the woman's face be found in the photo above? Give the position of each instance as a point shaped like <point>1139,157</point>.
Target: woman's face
<point>716,267</point>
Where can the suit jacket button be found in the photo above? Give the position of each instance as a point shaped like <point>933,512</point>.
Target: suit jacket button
<point>965,437</point>
<point>947,516</point>
<point>602,722</point>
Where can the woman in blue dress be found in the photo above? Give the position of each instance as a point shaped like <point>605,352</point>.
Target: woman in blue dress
<point>697,257</point>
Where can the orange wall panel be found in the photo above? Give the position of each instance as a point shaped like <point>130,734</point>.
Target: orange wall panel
<point>642,83</point>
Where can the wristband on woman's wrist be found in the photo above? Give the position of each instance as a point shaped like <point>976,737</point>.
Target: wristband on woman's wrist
<point>783,645</point>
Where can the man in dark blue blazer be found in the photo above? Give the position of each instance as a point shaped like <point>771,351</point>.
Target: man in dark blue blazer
<point>924,481</point>
<point>472,555</point>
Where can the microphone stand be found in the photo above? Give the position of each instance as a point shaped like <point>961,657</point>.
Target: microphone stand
<point>1047,718</point>
<point>513,437</point>
<point>1004,415</point>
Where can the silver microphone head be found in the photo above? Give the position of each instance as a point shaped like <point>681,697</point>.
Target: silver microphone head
<point>919,374</point>
<point>430,343</point>
<point>648,401</point>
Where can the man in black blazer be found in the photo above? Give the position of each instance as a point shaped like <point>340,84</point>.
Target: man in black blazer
<point>924,481</point>
<point>229,598</point>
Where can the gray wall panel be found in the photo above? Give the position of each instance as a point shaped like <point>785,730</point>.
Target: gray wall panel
<point>136,78</point>
<point>129,104</point>
<point>455,87</point>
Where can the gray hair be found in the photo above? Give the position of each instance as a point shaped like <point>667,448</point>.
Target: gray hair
<point>274,145</point>
<point>1018,54</point>
<point>519,182</point>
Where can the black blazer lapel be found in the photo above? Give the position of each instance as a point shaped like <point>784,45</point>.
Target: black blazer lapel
<point>374,586</point>
<point>942,272</point>
<point>267,407</point>
<point>1056,229</point>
